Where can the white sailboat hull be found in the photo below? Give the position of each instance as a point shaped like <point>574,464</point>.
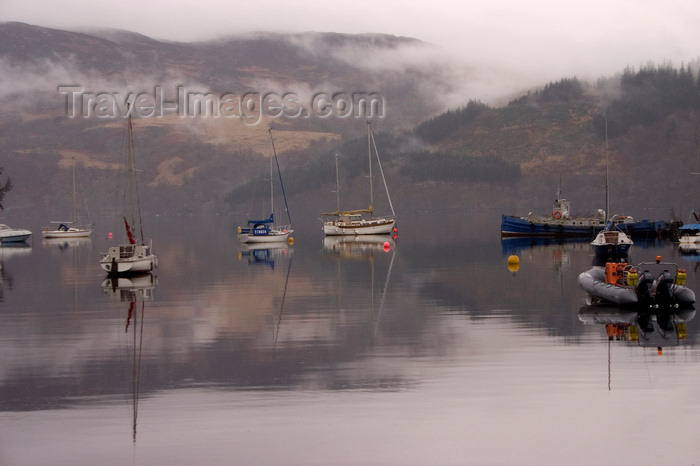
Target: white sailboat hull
<point>128,259</point>
<point>376,226</point>
<point>70,233</point>
<point>271,238</point>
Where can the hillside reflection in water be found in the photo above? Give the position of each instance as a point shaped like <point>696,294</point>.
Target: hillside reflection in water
<point>332,351</point>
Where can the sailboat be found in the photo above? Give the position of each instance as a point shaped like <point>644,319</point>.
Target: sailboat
<point>352,222</point>
<point>265,231</point>
<point>131,257</point>
<point>611,241</point>
<point>68,229</point>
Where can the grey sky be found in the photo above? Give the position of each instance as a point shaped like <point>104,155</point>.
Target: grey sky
<point>537,40</point>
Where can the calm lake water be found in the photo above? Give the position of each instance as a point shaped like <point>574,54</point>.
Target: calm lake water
<point>326,352</point>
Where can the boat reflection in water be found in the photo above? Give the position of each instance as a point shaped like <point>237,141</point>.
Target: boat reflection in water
<point>361,247</point>
<point>691,253</point>
<point>519,244</point>
<point>263,253</point>
<point>8,250</point>
<point>131,288</point>
<point>649,328</point>
<point>134,291</point>
<point>64,244</point>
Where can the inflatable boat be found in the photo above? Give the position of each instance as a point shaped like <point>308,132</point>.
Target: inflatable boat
<point>646,285</point>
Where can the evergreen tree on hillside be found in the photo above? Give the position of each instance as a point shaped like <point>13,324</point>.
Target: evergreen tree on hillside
<point>565,90</point>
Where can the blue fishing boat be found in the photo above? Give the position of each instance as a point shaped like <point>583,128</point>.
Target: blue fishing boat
<point>561,224</point>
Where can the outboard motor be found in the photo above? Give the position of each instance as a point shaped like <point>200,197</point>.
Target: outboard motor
<point>664,290</point>
<point>645,282</point>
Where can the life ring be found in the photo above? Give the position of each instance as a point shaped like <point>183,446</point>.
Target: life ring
<point>557,214</point>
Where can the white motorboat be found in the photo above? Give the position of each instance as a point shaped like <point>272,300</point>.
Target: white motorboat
<point>13,235</point>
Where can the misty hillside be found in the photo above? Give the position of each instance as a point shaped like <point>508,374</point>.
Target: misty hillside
<point>511,158</point>
<point>38,59</point>
<point>189,163</point>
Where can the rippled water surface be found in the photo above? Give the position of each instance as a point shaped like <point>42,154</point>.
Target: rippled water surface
<point>430,351</point>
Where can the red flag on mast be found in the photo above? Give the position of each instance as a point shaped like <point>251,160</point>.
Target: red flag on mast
<point>128,232</point>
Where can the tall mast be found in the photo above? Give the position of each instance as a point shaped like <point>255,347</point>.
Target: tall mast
<point>272,192</point>
<point>369,154</point>
<point>279,173</point>
<point>131,169</point>
<point>132,182</point>
<point>381,171</point>
<point>337,185</point>
<point>607,189</point>
<point>75,206</point>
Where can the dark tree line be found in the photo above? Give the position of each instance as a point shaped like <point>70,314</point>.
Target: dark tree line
<point>564,90</point>
<point>647,96</point>
<point>441,126</point>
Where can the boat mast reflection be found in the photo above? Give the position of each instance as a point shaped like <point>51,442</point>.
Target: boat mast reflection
<point>135,290</point>
<point>133,316</point>
<point>279,318</point>
<point>363,248</point>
